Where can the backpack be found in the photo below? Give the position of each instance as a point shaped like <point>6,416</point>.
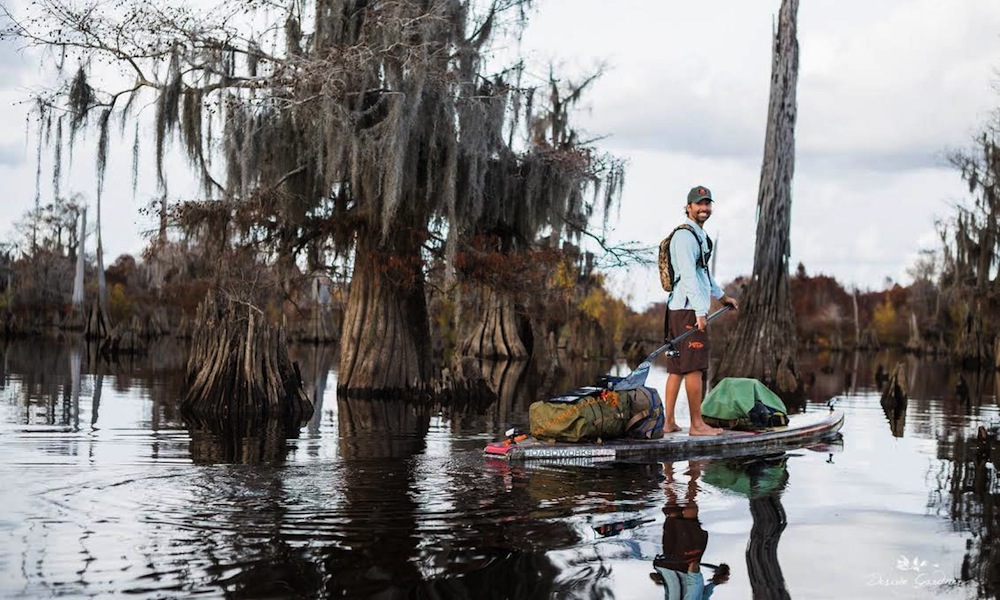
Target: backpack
<point>646,422</point>
<point>667,277</point>
<point>598,413</point>
<point>644,407</point>
<point>584,414</point>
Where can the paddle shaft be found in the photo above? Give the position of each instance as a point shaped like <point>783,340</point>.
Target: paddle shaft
<point>673,343</point>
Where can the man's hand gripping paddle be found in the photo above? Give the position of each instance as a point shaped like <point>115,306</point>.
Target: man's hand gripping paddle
<point>637,378</point>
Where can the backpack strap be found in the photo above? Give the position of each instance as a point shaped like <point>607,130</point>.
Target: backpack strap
<point>703,259</point>
<point>636,418</point>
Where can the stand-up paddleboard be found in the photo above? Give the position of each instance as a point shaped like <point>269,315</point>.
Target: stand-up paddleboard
<point>802,430</point>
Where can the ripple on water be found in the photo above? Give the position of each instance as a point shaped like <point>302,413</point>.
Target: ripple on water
<point>115,511</point>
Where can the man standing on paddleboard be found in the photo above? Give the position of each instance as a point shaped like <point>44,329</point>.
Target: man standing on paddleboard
<point>684,260</point>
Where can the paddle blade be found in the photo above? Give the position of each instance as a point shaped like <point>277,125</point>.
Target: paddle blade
<point>636,379</point>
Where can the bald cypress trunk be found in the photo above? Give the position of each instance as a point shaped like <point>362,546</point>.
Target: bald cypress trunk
<point>972,340</point>
<point>763,344</point>
<point>496,335</point>
<point>78,278</point>
<point>385,343</point>
<point>102,285</point>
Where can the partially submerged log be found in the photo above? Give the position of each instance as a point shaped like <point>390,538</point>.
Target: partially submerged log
<point>894,400</point>
<point>894,395</point>
<point>239,371</point>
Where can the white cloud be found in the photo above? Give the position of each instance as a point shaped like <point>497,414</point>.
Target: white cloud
<point>898,88</point>
<point>885,90</point>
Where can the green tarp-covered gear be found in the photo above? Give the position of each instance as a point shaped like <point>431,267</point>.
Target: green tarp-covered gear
<point>743,403</point>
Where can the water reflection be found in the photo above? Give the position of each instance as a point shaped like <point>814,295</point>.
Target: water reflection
<point>392,500</point>
<point>316,363</point>
<point>678,566</point>
<point>378,441</point>
<point>58,382</point>
<point>967,492</point>
<point>249,442</point>
<point>948,405</point>
<point>508,383</point>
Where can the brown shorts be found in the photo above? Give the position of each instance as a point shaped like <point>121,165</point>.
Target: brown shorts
<point>694,348</point>
<point>684,542</point>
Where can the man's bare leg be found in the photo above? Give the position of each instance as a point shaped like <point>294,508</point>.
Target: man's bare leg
<point>692,385</point>
<point>670,403</point>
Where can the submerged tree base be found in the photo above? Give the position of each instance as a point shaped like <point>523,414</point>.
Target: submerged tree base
<point>239,370</point>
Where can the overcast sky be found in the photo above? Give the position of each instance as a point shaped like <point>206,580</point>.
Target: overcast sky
<point>886,89</point>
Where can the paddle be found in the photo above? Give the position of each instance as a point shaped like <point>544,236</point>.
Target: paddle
<point>637,378</point>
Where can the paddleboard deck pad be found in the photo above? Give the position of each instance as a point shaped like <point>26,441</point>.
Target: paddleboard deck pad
<point>802,430</point>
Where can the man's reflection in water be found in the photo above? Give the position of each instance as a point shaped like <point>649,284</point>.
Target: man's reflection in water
<point>678,567</point>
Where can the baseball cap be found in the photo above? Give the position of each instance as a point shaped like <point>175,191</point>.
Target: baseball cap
<point>699,193</point>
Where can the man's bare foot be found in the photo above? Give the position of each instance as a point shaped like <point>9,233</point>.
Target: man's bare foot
<point>671,428</point>
<point>704,430</point>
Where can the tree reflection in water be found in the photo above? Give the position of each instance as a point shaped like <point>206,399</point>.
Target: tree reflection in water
<point>405,546</point>
<point>769,522</point>
<point>316,363</point>
<point>395,500</point>
<point>967,492</point>
<point>250,442</point>
<point>761,480</point>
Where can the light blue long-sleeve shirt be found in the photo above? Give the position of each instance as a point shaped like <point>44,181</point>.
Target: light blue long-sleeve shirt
<point>685,586</point>
<point>695,287</point>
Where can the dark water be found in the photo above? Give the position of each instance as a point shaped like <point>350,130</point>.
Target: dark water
<point>106,493</point>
